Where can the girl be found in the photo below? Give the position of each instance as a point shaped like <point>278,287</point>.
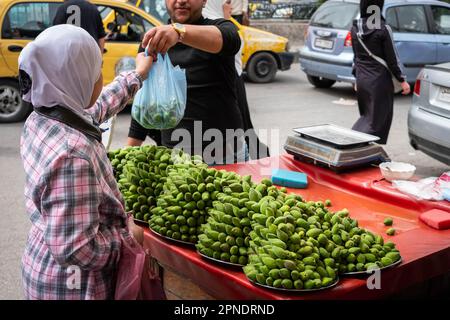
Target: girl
<point>75,207</point>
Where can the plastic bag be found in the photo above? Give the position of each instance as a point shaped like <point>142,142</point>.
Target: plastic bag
<point>152,281</point>
<point>161,101</point>
<point>427,189</point>
<point>130,270</point>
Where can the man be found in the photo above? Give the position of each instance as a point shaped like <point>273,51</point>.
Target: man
<point>205,48</point>
<point>83,14</point>
<point>239,11</point>
<point>216,9</point>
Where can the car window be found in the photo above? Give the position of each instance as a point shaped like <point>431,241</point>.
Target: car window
<point>123,25</point>
<point>391,19</point>
<point>28,20</point>
<point>441,19</point>
<point>335,15</point>
<point>412,19</point>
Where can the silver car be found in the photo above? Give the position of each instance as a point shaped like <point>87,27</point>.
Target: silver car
<point>429,116</point>
<point>421,34</point>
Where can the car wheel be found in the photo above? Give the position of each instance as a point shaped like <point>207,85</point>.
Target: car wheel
<point>12,107</point>
<point>262,68</point>
<point>320,82</point>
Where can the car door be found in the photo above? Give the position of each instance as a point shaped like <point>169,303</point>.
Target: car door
<point>440,22</point>
<point>413,38</point>
<point>125,30</point>
<point>22,23</point>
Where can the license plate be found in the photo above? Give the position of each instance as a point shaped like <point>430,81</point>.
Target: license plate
<point>444,94</point>
<point>324,44</point>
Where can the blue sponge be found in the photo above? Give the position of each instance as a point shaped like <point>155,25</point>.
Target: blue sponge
<point>446,194</point>
<point>290,179</point>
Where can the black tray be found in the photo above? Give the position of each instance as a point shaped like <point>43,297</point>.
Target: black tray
<point>173,240</point>
<point>229,264</point>
<point>138,221</point>
<point>294,290</point>
<point>365,273</point>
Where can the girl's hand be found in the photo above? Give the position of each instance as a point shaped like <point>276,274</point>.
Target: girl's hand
<point>355,87</point>
<point>406,88</point>
<point>143,65</point>
<point>137,232</point>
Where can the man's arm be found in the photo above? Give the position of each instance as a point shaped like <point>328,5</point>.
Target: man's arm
<point>221,38</point>
<point>206,38</point>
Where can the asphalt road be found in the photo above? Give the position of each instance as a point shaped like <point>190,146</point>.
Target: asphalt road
<point>288,102</point>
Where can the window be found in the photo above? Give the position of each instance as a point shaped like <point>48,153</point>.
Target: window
<point>412,19</point>
<point>336,15</point>
<point>28,20</point>
<point>391,19</point>
<point>123,25</point>
<point>441,19</point>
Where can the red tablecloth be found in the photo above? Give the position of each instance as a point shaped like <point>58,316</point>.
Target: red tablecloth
<point>425,251</point>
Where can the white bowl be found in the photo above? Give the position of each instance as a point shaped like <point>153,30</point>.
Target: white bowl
<point>397,170</point>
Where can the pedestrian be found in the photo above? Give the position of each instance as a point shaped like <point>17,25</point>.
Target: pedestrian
<point>205,48</point>
<point>76,210</point>
<point>83,14</point>
<point>216,9</point>
<point>374,83</point>
<point>239,11</point>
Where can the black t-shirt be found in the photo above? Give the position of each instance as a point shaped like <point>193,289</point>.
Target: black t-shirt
<point>211,84</point>
<point>90,18</point>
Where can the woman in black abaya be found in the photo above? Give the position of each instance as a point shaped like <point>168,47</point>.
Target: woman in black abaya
<point>374,85</point>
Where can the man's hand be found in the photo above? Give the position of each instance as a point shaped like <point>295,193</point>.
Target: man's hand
<point>143,65</point>
<point>406,88</point>
<point>160,39</point>
<point>227,10</point>
<point>245,19</point>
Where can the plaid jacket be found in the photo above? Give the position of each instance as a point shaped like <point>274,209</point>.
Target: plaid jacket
<point>74,205</point>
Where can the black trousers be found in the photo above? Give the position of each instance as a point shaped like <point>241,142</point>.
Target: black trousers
<point>257,149</point>
<point>138,132</point>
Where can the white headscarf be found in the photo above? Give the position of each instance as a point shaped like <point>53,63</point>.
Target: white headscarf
<point>64,63</point>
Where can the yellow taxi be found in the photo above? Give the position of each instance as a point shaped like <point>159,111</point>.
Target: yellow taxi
<point>22,20</point>
<point>264,53</point>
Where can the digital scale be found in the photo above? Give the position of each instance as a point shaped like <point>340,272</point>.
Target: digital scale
<point>334,147</point>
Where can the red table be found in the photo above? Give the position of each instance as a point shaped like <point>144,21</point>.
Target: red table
<point>425,251</point>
